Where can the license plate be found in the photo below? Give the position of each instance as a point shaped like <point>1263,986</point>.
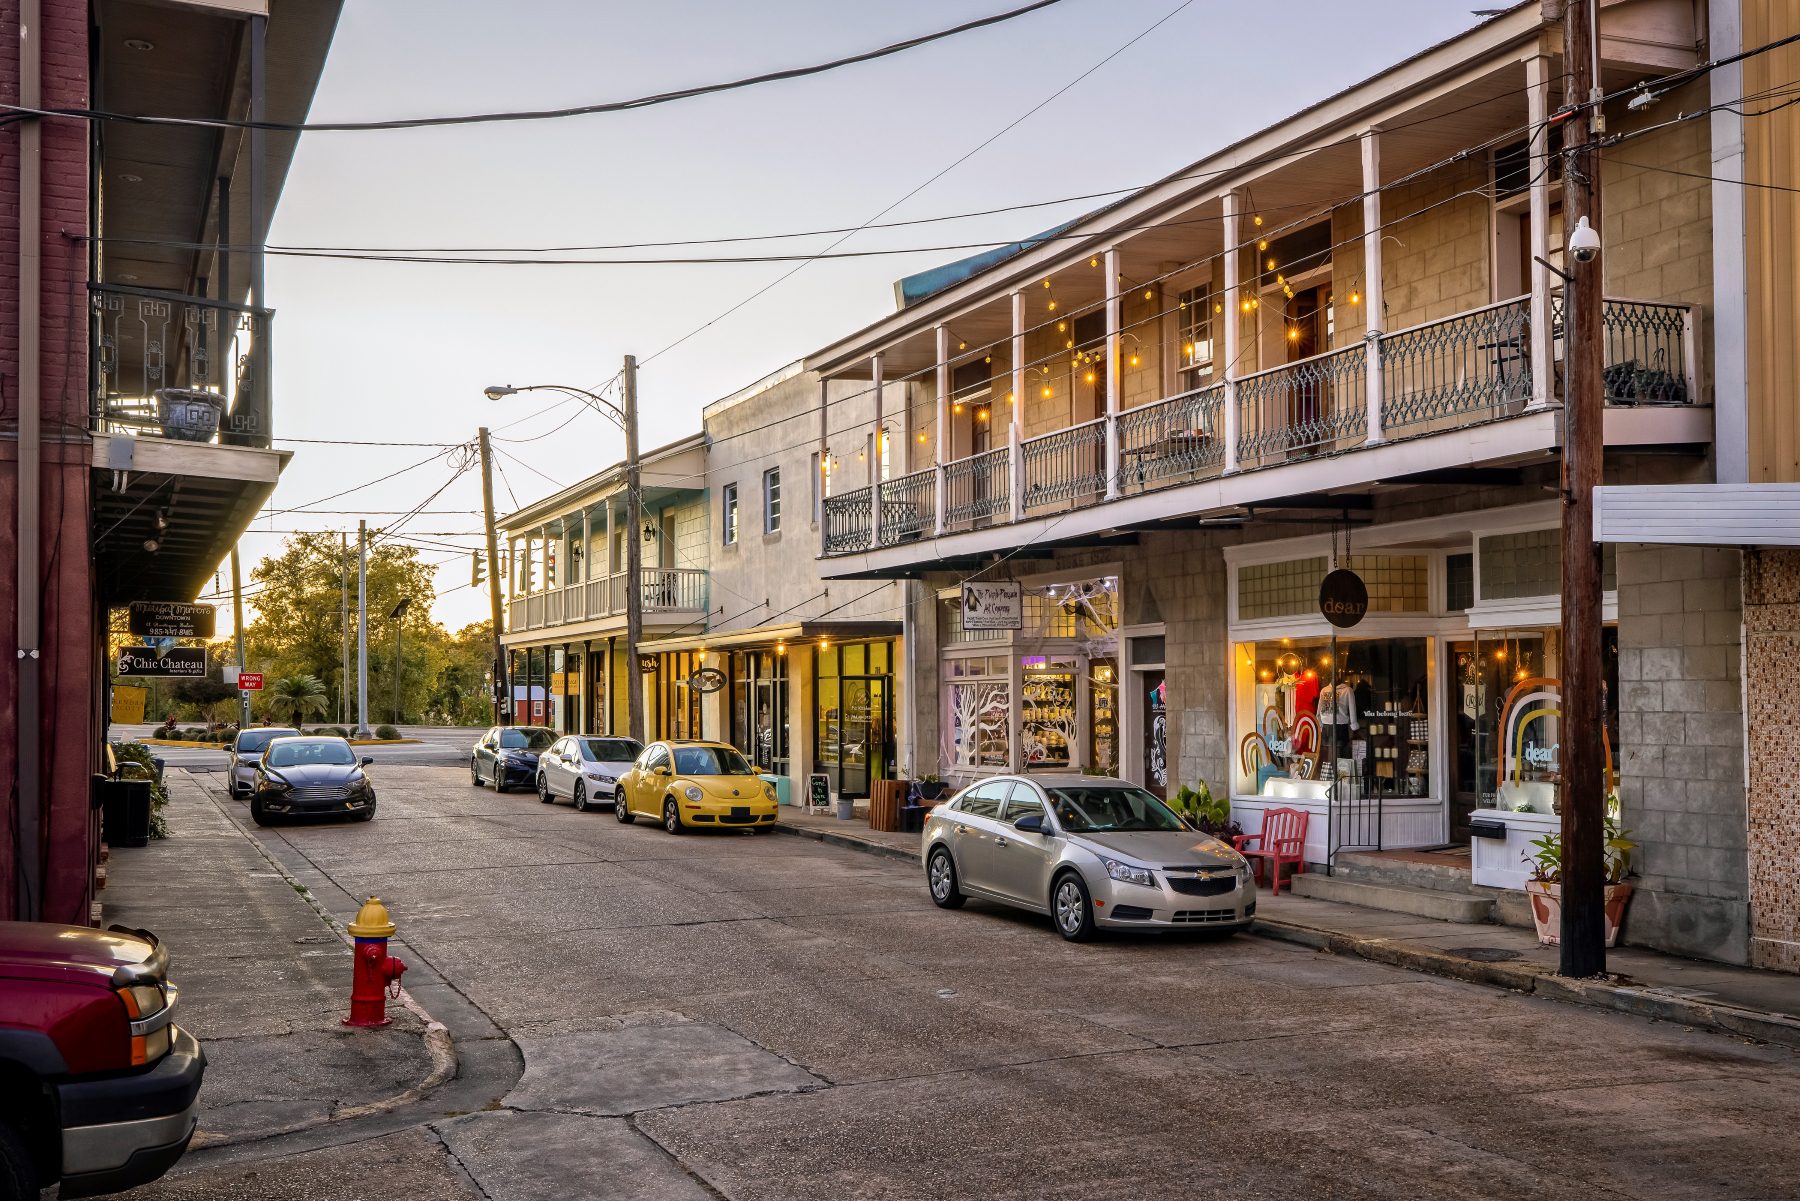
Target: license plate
<point>740,811</point>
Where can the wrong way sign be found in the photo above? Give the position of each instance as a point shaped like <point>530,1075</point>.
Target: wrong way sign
<point>250,681</point>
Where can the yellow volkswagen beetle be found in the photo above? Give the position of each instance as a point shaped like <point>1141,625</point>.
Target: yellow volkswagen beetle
<point>683,784</point>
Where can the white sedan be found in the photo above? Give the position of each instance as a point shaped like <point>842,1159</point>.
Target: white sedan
<point>584,769</point>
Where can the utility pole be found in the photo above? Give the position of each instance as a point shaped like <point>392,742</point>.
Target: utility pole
<point>502,686</point>
<point>237,622</point>
<point>362,629</point>
<point>344,620</point>
<point>634,556</point>
<point>1583,714</point>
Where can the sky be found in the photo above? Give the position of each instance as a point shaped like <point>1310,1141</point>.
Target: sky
<point>401,352</point>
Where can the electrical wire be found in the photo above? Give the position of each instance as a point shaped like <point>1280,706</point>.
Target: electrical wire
<point>584,110</point>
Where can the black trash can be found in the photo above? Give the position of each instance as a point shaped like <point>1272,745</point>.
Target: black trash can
<point>912,819</point>
<point>125,813</point>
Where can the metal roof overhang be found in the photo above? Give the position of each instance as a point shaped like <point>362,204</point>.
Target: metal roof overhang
<point>1328,486</point>
<point>190,500</point>
<point>1468,87</point>
<point>764,636</point>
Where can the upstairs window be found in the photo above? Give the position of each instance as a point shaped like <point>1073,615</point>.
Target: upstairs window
<point>730,522</point>
<point>771,500</point>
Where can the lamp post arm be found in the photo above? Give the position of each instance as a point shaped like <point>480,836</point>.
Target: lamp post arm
<point>593,401</point>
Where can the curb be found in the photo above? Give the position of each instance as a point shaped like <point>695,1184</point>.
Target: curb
<point>438,1043</point>
<point>850,842</point>
<point>1616,994</point>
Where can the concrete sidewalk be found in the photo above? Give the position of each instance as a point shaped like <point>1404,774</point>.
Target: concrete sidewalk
<point>264,980</point>
<point>1715,996</point>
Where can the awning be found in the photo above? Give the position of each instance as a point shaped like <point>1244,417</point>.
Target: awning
<point>768,636</point>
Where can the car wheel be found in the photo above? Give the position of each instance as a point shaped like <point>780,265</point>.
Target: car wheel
<point>474,773</point>
<point>671,816</point>
<point>621,809</point>
<point>580,798</point>
<point>499,778</point>
<point>1071,909</point>
<point>18,1174</point>
<point>259,815</point>
<point>367,815</point>
<point>544,793</point>
<point>940,877</point>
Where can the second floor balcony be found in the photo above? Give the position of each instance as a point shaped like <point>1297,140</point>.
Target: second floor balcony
<point>665,590</point>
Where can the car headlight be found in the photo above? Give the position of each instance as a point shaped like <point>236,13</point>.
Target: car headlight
<point>271,784</point>
<point>602,778</point>
<point>692,793</point>
<point>769,791</point>
<point>1128,874</point>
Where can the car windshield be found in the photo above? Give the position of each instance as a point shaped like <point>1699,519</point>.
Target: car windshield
<point>526,738</point>
<point>611,750</point>
<point>256,740</point>
<point>335,752</point>
<point>1099,808</point>
<point>710,761</point>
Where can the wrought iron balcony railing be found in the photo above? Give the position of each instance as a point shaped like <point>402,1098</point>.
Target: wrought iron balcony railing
<point>181,367</point>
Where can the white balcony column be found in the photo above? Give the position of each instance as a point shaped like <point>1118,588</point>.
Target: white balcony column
<point>587,560</point>
<point>824,463</point>
<point>875,452</point>
<point>1543,341</point>
<point>941,450</point>
<point>1372,302</point>
<point>1234,324</point>
<point>1015,408</point>
<point>612,540</point>
<point>1115,369</point>
<point>1015,471</point>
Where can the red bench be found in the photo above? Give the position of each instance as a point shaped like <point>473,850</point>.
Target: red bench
<point>1282,840</point>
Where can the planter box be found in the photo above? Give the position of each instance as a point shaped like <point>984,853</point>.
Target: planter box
<point>1501,862</point>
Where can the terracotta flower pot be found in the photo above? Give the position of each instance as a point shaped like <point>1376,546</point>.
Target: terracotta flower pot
<point>1546,911</point>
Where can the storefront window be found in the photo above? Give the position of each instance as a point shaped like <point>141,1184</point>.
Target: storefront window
<point>678,702</point>
<point>1103,720</point>
<point>854,687</point>
<point>979,698</point>
<point>1351,715</point>
<point>1047,712</point>
<point>759,708</point>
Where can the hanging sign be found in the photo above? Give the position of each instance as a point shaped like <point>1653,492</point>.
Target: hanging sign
<point>647,664</point>
<point>171,619</point>
<point>180,662</point>
<point>707,679</point>
<point>993,605</point>
<point>1343,598</point>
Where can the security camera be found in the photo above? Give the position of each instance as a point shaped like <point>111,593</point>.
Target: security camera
<point>1584,243</point>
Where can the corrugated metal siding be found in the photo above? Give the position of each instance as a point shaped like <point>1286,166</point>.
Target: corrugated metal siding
<point>1699,514</point>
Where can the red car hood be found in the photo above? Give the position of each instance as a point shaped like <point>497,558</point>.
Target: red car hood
<point>41,945</point>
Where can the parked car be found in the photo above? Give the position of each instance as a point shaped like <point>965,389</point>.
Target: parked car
<point>684,784</point>
<point>99,1089</point>
<point>313,776</point>
<point>246,752</point>
<point>584,768</point>
<point>508,755</point>
<point>1090,852</point>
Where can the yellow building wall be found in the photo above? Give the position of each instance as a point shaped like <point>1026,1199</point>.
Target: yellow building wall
<point>1772,246</point>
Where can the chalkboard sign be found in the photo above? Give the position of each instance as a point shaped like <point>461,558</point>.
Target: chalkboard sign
<point>818,790</point>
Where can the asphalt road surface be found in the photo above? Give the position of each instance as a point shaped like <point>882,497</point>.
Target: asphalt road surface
<point>764,1018</point>
<point>437,746</point>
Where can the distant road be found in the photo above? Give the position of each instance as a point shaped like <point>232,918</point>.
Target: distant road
<point>437,746</point>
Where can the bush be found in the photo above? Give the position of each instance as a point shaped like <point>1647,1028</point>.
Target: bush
<point>339,732</point>
<point>193,734</point>
<point>135,762</point>
<point>385,731</point>
<point>323,732</point>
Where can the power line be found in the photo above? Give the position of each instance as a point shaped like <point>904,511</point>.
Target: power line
<point>584,110</point>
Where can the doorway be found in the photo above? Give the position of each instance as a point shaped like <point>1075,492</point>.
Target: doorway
<point>1308,332</point>
<point>1153,726</point>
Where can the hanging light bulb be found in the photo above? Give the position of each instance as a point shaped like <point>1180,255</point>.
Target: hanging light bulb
<point>1218,308</point>
<point>988,359</point>
<point>1046,391</point>
<point>981,415</point>
<point>1271,264</point>
<point>1149,294</point>
<point>1355,296</point>
<point>1009,398</point>
<point>1061,326</point>
<point>1046,282</point>
<point>1257,219</point>
<point>957,407</point>
<point>1245,304</point>
<point>1069,345</point>
<point>1293,333</point>
<point>921,436</point>
<point>962,346</point>
<point>1262,244</point>
<point>1255,303</point>
<point>1089,377</point>
<point>1134,359</point>
<point>1093,262</point>
<point>781,648</point>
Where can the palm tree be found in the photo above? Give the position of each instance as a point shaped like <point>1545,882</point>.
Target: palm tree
<point>296,696</point>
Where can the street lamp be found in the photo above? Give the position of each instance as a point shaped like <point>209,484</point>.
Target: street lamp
<point>626,419</point>
<point>397,615</point>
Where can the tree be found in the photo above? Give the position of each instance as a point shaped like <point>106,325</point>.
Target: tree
<point>462,693</point>
<point>297,696</point>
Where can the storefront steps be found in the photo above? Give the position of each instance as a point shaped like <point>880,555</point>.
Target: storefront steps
<point>1421,883</point>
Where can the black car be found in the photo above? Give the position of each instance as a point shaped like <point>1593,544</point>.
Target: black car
<point>508,755</point>
<point>311,777</point>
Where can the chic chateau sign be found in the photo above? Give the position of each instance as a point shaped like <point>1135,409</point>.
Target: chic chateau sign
<point>183,662</point>
<point>993,605</point>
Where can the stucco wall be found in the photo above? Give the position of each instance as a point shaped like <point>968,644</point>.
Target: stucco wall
<point>1771,659</point>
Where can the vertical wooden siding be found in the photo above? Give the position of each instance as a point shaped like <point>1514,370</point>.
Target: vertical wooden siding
<point>1772,245</point>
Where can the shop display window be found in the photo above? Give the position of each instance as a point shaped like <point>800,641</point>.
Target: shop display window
<point>759,708</point>
<point>854,730</point>
<point>1103,720</point>
<point>1349,718</point>
<point>1047,712</point>
<point>979,698</point>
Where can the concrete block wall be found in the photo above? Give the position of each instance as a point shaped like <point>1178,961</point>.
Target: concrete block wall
<point>1771,658</point>
<point>1681,748</point>
<point>1435,254</point>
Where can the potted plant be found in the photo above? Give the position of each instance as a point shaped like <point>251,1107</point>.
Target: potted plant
<point>1544,888</point>
<point>1205,812</point>
<point>930,787</point>
<point>189,414</point>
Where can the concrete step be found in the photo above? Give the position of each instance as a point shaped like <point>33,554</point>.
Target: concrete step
<point>1402,873</point>
<point>1420,902</point>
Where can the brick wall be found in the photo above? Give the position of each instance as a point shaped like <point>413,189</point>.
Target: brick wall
<point>1771,659</point>
<point>1681,754</point>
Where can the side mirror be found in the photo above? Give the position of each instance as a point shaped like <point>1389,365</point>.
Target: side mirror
<point>662,769</point>
<point>1031,823</point>
<point>366,761</point>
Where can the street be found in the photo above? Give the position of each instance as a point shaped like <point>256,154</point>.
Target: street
<point>744,1016</point>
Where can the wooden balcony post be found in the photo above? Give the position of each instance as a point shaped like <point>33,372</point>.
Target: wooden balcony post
<point>1372,300</point>
<point>1114,370</point>
<point>1015,471</point>
<point>818,485</point>
<point>1234,326</point>
<point>1543,340</point>
<point>942,448</point>
<point>1016,402</point>
<point>875,454</point>
<point>612,540</point>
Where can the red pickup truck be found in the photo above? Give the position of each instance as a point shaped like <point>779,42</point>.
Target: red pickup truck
<point>99,1089</point>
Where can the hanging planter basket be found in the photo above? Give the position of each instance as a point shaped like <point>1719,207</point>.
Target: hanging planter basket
<point>189,414</point>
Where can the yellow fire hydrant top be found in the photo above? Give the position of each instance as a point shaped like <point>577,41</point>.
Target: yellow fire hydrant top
<point>372,921</point>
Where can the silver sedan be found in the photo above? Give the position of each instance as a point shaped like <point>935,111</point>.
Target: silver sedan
<point>1088,851</point>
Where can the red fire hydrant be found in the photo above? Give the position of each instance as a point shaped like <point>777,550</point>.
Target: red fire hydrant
<point>377,972</point>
